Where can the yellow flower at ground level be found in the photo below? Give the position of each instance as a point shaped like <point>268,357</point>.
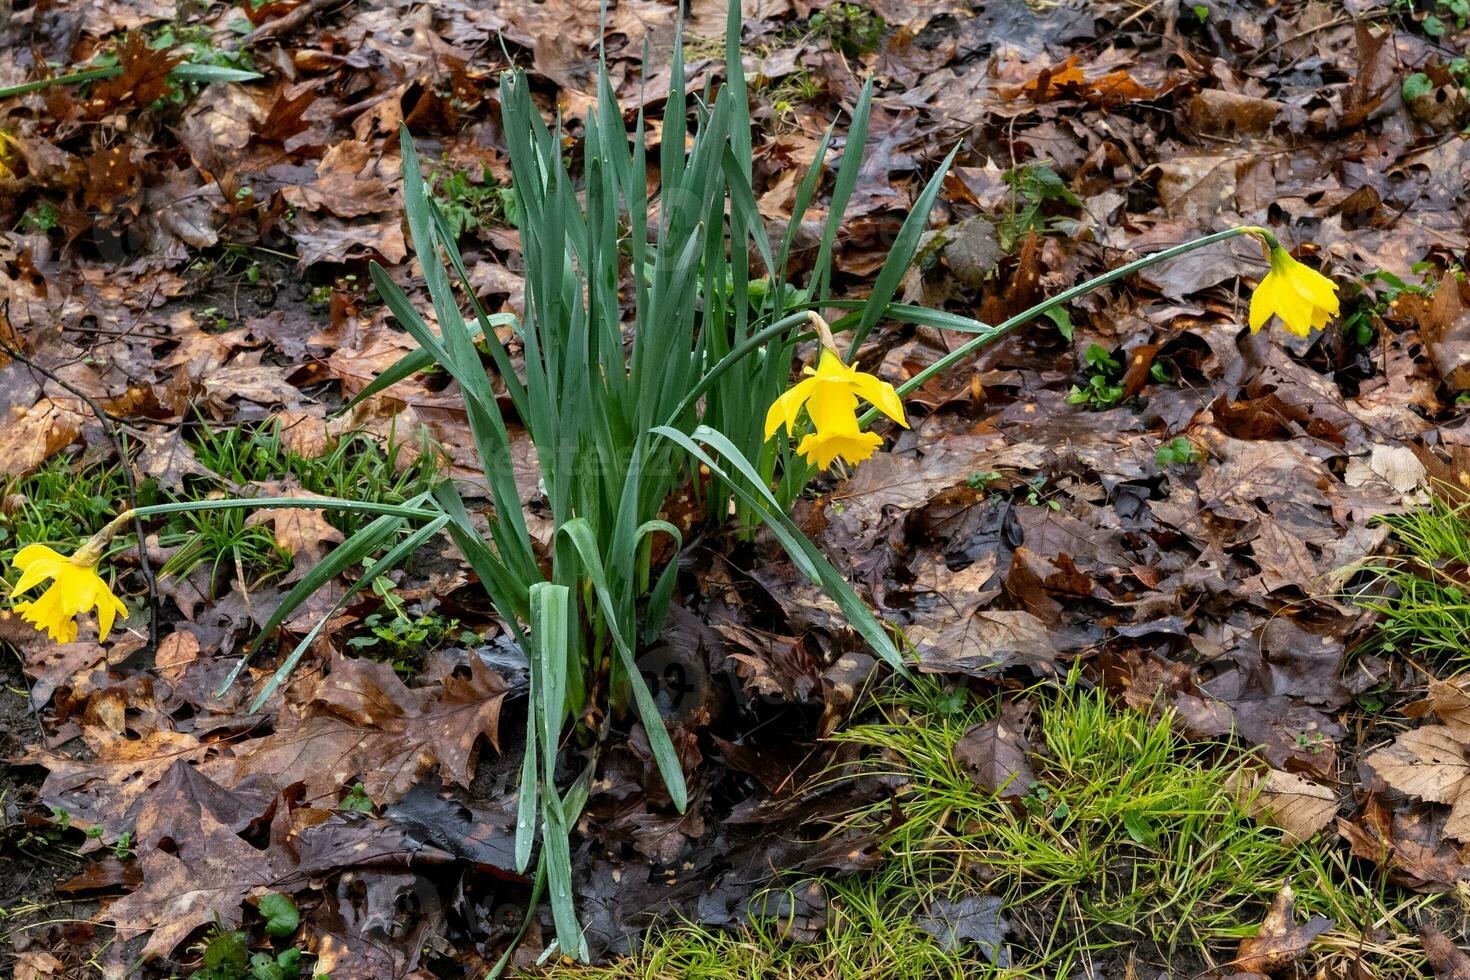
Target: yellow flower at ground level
<point>1303,297</point>
<point>830,397</point>
<point>75,588</point>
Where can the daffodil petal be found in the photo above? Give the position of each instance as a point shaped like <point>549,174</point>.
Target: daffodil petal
<point>37,571</point>
<point>1261,305</point>
<point>109,607</point>
<point>882,395</point>
<point>785,409</point>
<point>35,552</point>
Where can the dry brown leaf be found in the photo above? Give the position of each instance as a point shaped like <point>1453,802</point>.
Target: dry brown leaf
<point>304,533</point>
<point>1450,700</point>
<point>37,964</point>
<point>1294,803</point>
<point>1448,960</point>
<point>997,754</point>
<point>196,867</point>
<point>168,458</point>
<point>363,723</point>
<point>30,436</point>
<point>106,791</point>
<point>1280,941</point>
<point>1428,763</point>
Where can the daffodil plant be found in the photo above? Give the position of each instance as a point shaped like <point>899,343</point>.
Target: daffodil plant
<point>681,384</point>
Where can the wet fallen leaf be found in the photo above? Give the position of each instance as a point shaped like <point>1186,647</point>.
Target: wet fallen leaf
<point>997,754</point>
<point>1448,960</point>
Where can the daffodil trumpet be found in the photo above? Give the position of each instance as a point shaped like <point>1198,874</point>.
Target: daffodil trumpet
<point>829,394</point>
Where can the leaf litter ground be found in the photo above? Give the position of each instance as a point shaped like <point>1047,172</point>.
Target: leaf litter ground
<point>188,259</point>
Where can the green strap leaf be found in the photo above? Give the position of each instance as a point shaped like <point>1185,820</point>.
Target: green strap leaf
<point>901,255</point>
<point>550,609</point>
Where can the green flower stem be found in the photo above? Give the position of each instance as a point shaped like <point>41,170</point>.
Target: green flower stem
<point>74,78</point>
<point>736,353</point>
<point>1065,296</point>
<point>283,503</point>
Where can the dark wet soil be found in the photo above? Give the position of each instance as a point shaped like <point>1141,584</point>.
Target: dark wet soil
<point>36,854</point>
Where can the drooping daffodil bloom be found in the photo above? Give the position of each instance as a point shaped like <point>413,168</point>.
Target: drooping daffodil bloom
<point>830,396</point>
<point>75,588</point>
<point>1302,297</point>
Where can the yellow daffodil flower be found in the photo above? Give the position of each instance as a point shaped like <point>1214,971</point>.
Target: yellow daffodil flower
<point>851,444</point>
<point>75,588</point>
<point>830,397</point>
<point>1302,297</point>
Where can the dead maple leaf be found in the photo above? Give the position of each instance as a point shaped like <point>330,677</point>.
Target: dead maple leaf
<point>108,790</point>
<point>1068,79</point>
<point>144,76</point>
<point>1280,941</point>
<point>168,458</point>
<point>304,533</point>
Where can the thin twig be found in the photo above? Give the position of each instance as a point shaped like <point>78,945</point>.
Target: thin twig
<point>285,23</point>
<point>109,423</point>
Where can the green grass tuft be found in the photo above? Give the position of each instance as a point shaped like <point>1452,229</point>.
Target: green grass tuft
<point>1131,837</point>
<point>1132,842</point>
<point>67,499</point>
<point>1425,606</point>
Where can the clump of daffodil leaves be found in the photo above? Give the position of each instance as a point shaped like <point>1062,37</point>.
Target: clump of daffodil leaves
<point>623,419</point>
<point>1303,298</point>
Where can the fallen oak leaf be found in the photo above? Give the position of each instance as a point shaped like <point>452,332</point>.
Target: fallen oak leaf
<point>1113,88</point>
<point>1280,941</point>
